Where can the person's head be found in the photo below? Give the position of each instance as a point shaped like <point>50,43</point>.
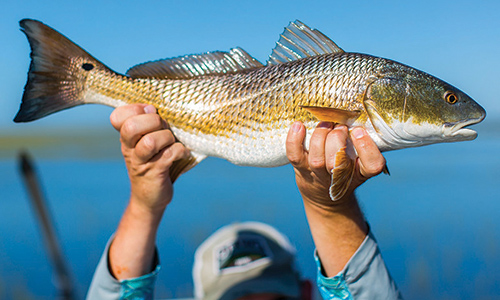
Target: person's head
<point>247,261</point>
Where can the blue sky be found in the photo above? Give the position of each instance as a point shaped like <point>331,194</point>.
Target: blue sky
<point>457,41</point>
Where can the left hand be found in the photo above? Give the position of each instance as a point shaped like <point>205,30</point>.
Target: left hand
<point>149,149</point>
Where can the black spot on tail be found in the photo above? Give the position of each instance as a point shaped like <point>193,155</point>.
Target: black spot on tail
<point>87,67</point>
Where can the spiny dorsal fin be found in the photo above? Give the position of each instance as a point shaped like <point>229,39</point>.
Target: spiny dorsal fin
<point>189,66</point>
<point>335,115</point>
<point>299,41</point>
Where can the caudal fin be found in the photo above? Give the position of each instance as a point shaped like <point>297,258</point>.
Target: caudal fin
<point>57,73</point>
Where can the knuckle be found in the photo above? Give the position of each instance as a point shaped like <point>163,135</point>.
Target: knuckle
<point>158,121</point>
<point>148,143</point>
<point>136,107</point>
<point>180,151</point>
<point>317,163</point>
<point>131,109</point>
<point>294,159</point>
<point>175,152</point>
<point>185,151</point>
<point>166,139</point>
<point>128,128</point>
<point>169,136</point>
<point>339,133</point>
<point>113,118</point>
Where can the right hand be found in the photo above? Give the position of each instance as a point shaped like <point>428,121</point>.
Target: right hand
<point>149,149</point>
<point>313,167</point>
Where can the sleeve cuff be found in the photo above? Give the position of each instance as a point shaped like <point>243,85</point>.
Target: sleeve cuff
<point>140,287</point>
<point>105,286</point>
<point>365,276</point>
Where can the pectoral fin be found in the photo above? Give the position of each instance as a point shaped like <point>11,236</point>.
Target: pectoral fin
<point>334,115</point>
<point>342,174</point>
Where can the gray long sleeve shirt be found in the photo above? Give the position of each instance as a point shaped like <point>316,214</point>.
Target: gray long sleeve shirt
<point>365,276</point>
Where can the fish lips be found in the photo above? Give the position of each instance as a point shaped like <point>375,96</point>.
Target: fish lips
<point>457,131</point>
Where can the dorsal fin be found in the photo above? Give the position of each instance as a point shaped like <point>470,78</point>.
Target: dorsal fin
<point>299,41</point>
<point>189,66</point>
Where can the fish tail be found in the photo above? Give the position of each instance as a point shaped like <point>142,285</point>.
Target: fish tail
<point>57,74</point>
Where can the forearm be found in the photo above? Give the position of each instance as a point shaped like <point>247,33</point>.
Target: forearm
<point>132,251</point>
<point>337,231</point>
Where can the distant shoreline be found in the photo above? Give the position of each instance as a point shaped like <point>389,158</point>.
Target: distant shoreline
<point>61,143</point>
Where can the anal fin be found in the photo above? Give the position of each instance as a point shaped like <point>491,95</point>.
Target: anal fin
<point>342,174</point>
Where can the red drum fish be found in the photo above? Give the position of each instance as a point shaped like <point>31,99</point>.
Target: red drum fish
<point>229,105</point>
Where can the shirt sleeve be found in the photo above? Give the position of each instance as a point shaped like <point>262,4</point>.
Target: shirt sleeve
<point>365,276</point>
<point>105,286</point>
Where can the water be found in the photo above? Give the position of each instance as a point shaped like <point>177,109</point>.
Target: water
<point>436,218</point>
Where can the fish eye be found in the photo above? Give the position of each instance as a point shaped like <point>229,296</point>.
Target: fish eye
<point>87,67</point>
<point>450,97</point>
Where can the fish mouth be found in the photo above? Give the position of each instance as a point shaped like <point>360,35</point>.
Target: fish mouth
<point>457,131</point>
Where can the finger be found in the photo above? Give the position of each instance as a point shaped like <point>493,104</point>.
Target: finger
<point>164,160</point>
<point>371,161</point>
<point>335,140</point>
<point>152,143</point>
<point>295,145</point>
<point>316,157</point>
<point>135,127</point>
<point>172,153</point>
<point>122,113</point>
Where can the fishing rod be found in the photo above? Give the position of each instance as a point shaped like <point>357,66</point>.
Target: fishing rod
<point>64,282</point>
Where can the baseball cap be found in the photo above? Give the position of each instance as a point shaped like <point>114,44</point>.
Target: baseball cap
<point>242,259</point>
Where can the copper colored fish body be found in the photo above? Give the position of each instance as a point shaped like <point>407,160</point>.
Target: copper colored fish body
<point>228,105</point>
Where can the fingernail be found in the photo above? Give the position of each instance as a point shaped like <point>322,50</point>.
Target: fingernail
<point>326,125</point>
<point>340,127</point>
<point>150,109</point>
<point>296,126</point>
<point>358,132</point>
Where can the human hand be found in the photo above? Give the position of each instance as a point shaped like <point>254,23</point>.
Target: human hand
<point>313,167</point>
<point>149,149</point>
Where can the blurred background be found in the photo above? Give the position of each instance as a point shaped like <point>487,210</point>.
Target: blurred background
<point>436,217</point>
